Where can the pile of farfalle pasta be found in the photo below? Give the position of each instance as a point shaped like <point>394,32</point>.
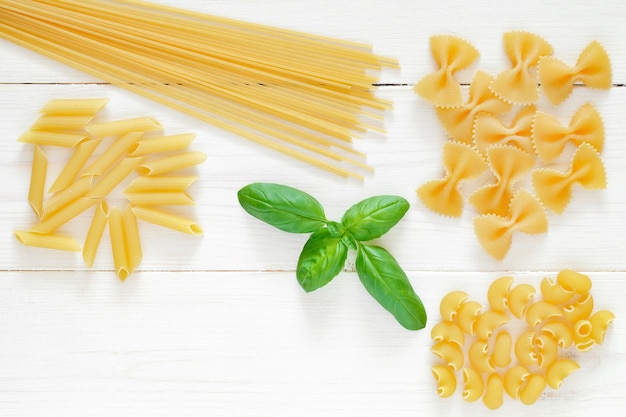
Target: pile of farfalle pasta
<point>492,360</point>
<point>92,173</point>
<point>500,130</point>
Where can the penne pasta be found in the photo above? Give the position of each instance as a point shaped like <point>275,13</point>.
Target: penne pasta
<point>66,140</point>
<point>74,107</point>
<point>160,184</point>
<point>160,199</point>
<point>112,179</point>
<point>118,243</point>
<point>61,123</point>
<point>113,153</point>
<point>94,234</point>
<point>74,165</point>
<point>473,385</point>
<point>131,239</point>
<point>168,220</point>
<point>37,181</point>
<point>171,163</point>
<point>446,380</point>
<point>48,241</point>
<point>121,127</point>
<point>63,198</point>
<point>67,213</point>
<point>162,144</point>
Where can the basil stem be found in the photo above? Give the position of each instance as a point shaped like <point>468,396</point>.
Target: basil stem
<point>321,260</point>
<point>374,216</point>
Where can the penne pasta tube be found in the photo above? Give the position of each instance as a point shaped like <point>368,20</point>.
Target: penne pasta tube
<point>66,140</point>
<point>61,123</point>
<point>94,234</point>
<point>109,181</point>
<point>74,165</point>
<point>160,184</point>
<point>63,198</point>
<point>131,239</point>
<point>67,213</point>
<point>37,180</point>
<point>162,144</point>
<point>47,241</point>
<point>118,244</point>
<point>112,154</point>
<point>168,220</point>
<point>160,199</point>
<point>120,127</point>
<point>171,163</point>
<point>74,107</point>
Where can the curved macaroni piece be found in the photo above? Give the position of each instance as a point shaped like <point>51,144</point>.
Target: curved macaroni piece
<point>550,137</point>
<point>509,165</point>
<point>541,311</point>
<point>560,332</point>
<point>459,121</point>
<point>517,85</point>
<point>578,310</point>
<point>498,293</point>
<point>593,69</point>
<point>494,391</point>
<point>600,321</point>
<point>574,281</point>
<point>583,339</point>
<point>488,322</point>
<point>495,233</point>
<point>559,370</point>
<point>547,349</point>
<point>554,293</point>
<point>520,297</point>
<point>473,385</point>
<point>468,316</point>
<point>451,54</point>
<point>501,356</point>
<point>530,393</point>
<point>448,331</point>
<point>451,354</point>
<point>554,188</point>
<point>514,379</point>
<point>451,303</point>
<point>490,130</point>
<point>479,356</point>
<point>461,162</point>
<point>446,380</point>
<point>525,349</point>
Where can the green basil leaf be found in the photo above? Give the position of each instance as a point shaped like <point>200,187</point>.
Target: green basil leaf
<point>321,260</point>
<point>374,216</point>
<point>283,207</point>
<point>385,280</point>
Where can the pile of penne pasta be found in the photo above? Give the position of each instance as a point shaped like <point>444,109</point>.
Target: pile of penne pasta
<point>524,364</point>
<point>90,176</point>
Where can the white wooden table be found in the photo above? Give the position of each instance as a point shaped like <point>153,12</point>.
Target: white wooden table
<point>218,326</point>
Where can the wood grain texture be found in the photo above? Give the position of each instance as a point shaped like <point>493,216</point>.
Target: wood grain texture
<point>218,326</point>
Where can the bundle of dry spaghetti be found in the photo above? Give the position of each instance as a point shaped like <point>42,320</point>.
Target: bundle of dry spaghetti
<point>304,95</point>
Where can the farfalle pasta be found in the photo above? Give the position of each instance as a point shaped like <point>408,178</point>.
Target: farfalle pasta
<point>554,188</point>
<point>521,363</point>
<point>451,54</point>
<point>550,137</point>
<point>557,78</point>
<point>517,85</point>
<point>489,130</point>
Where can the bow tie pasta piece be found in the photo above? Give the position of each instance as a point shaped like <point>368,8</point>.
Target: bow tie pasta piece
<point>490,130</point>
<point>452,54</point>
<point>459,121</point>
<point>509,164</point>
<point>550,137</point>
<point>593,69</point>
<point>554,188</point>
<point>495,233</point>
<point>461,162</point>
<point>517,85</point>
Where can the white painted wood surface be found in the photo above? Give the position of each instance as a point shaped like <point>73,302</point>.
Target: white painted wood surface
<point>218,326</point>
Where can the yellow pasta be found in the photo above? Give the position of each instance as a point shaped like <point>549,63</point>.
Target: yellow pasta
<point>494,391</point>
<point>498,293</point>
<point>118,243</point>
<point>547,349</point>
<point>168,220</point>
<point>559,370</point>
<point>94,234</point>
<point>450,353</point>
<point>451,303</point>
<point>520,298</point>
<point>488,322</point>
<point>162,144</point>
<point>122,127</point>
<point>501,356</point>
<point>514,378</point>
<point>530,393</point>
<point>467,316</point>
<point>479,356</point>
<point>473,385</point>
<point>600,321</point>
<point>74,107</point>
<point>69,194</point>
<point>48,241</point>
<point>67,213</point>
<point>578,310</point>
<point>489,130</point>
<point>171,163</point>
<point>159,199</point>
<point>525,349</point>
<point>446,380</point>
<point>74,165</point>
<point>541,311</point>
<point>448,331</point>
<point>554,293</point>
<point>52,123</point>
<point>160,184</point>
<point>583,339</point>
<point>37,185</point>
<point>560,331</point>
<point>66,140</point>
<point>131,239</point>
<point>114,152</point>
<point>574,281</point>
<point>112,179</point>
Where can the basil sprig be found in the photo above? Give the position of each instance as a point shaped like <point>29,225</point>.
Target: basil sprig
<point>324,254</point>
